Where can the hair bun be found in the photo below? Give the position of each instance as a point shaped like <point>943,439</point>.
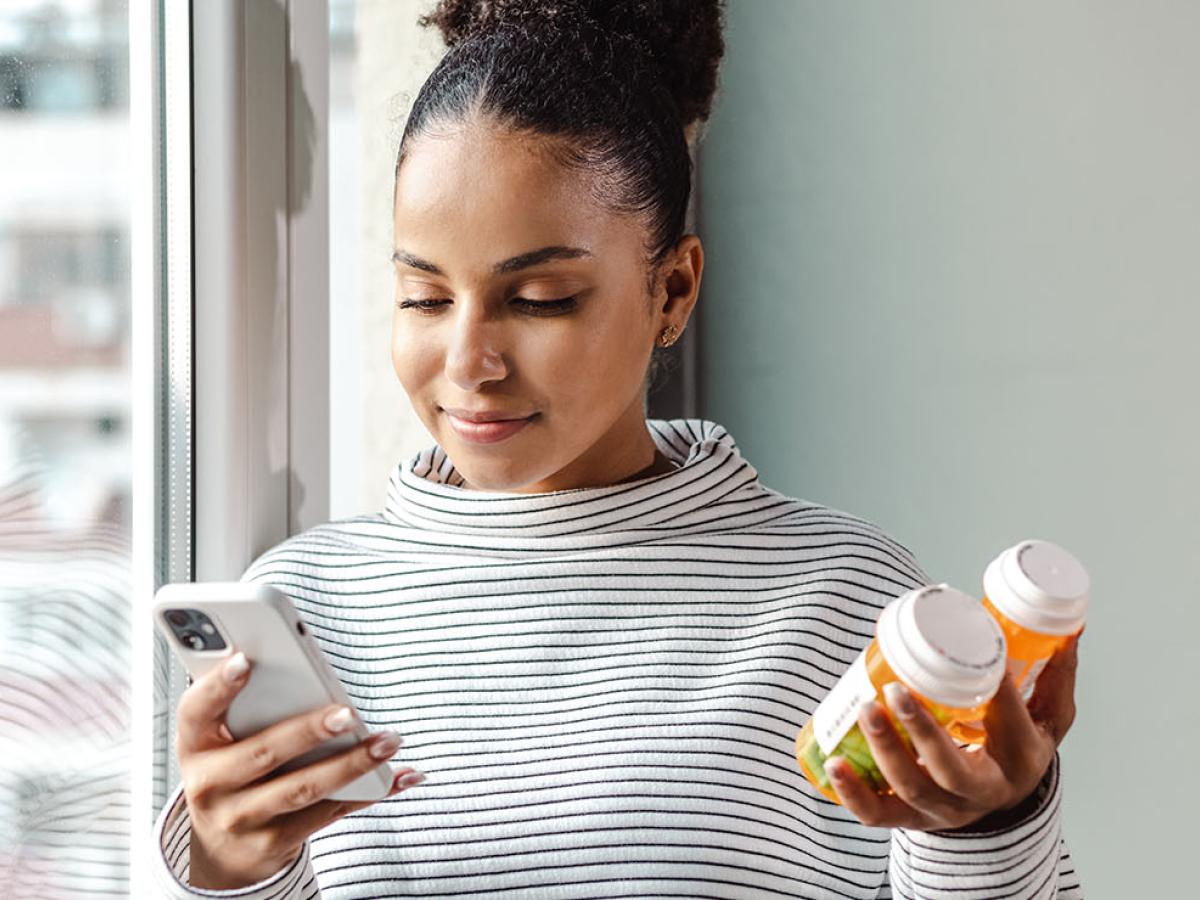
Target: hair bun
<point>682,38</point>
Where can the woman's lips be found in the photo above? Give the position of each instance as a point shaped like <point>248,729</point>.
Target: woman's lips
<point>487,432</point>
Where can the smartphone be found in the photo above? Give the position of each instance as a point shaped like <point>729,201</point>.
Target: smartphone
<point>207,622</point>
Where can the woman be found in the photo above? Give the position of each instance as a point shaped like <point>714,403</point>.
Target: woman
<point>598,634</point>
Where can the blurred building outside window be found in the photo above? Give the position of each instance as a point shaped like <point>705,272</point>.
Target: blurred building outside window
<point>64,448</point>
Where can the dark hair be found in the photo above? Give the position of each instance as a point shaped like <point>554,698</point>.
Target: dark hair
<point>616,82</point>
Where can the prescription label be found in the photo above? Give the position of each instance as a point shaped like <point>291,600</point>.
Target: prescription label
<point>839,710</point>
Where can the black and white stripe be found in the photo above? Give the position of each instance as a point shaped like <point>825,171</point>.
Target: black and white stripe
<point>604,687</point>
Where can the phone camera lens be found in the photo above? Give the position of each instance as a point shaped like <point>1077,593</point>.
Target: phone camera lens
<point>177,617</point>
<point>193,639</point>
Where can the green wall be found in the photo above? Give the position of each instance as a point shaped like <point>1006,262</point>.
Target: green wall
<point>952,285</point>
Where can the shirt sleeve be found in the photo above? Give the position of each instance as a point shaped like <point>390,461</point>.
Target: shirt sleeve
<point>1027,860</point>
<point>172,832</point>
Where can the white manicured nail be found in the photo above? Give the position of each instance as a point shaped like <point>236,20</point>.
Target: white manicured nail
<point>386,745</point>
<point>899,700</point>
<point>409,779</point>
<point>339,720</point>
<point>236,666</point>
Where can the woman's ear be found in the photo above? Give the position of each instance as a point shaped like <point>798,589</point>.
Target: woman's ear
<point>678,286</point>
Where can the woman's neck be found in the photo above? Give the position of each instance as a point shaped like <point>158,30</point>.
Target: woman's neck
<point>660,466</point>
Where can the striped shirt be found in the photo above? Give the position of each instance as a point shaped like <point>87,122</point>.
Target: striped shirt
<point>604,687</point>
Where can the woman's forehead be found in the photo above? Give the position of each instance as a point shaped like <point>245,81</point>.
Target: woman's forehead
<point>474,166</point>
<point>476,193</point>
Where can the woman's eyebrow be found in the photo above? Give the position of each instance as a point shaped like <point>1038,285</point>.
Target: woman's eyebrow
<point>524,261</point>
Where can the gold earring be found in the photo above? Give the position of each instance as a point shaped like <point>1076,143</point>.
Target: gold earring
<point>668,336</point>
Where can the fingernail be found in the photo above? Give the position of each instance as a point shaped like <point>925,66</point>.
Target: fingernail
<point>407,780</point>
<point>833,768</point>
<point>236,666</point>
<point>873,713</point>
<point>339,720</point>
<point>899,699</point>
<point>385,745</point>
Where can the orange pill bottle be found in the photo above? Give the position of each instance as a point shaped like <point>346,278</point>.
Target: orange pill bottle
<point>937,641</point>
<point>1038,592</point>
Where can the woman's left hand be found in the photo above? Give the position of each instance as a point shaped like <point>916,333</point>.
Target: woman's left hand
<point>950,786</point>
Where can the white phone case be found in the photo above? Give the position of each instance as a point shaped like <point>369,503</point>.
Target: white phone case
<point>288,675</point>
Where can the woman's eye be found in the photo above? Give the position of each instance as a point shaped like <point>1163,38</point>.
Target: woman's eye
<point>424,305</point>
<point>543,307</point>
<point>536,307</point>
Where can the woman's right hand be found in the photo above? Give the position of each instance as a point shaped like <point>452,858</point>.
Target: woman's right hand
<point>245,829</point>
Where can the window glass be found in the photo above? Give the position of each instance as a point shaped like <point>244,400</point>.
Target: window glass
<point>64,448</point>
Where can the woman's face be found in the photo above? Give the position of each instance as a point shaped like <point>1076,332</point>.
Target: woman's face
<point>517,294</point>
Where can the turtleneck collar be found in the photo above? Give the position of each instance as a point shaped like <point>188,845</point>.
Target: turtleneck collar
<point>426,492</point>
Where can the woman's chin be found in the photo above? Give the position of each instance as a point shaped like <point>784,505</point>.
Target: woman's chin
<point>497,485</point>
<point>490,471</point>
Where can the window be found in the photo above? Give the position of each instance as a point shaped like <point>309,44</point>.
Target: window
<point>65,461</point>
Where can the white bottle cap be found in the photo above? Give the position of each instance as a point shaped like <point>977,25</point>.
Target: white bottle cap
<point>1040,586</point>
<point>944,645</point>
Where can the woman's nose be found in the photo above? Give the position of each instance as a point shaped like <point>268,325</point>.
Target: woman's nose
<point>474,356</point>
